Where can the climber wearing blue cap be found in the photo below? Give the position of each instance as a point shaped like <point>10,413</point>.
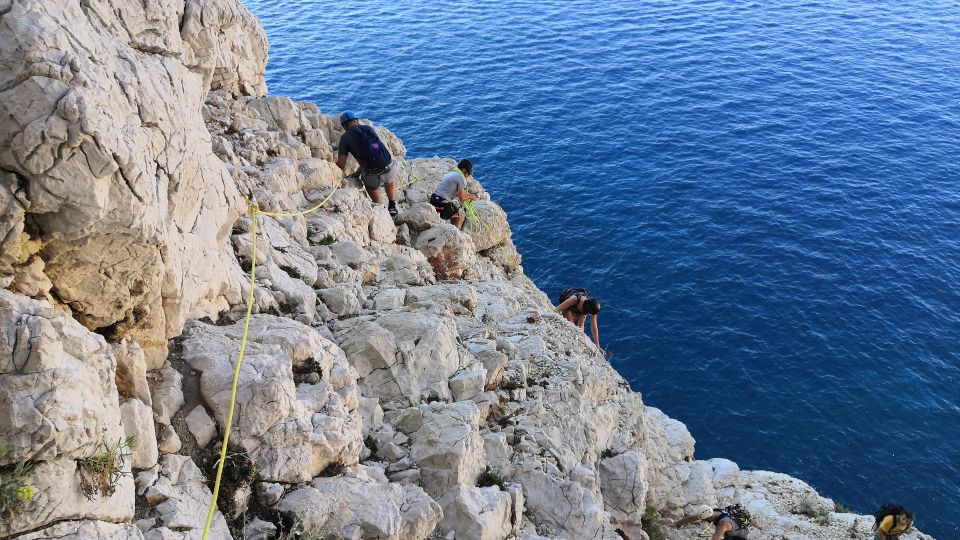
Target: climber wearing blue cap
<point>376,164</point>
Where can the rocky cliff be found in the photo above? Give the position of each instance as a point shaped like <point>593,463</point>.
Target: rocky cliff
<point>401,380</point>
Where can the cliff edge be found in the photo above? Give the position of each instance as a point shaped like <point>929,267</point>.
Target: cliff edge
<point>402,379</point>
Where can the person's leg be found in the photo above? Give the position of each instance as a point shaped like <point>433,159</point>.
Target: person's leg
<point>457,220</point>
<point>375,195</point>
<point>390,186</point>
<point>391,190</point>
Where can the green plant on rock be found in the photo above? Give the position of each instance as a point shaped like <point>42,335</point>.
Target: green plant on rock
<point>651,524</point>
<point>490,477</point>
<point>14,491</point>
<point>841,508</point>
<point>101,472</point>
<point>812,510</point>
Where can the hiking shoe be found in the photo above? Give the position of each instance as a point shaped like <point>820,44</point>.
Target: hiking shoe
<point>393,211</point>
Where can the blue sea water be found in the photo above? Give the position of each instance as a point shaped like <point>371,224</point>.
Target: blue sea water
<point>764,195</point>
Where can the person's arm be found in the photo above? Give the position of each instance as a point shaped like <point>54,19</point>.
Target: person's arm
<point>566,304</point>
<point>722,529</point>
<point>342,151</point>
<point>679,524</point>
<point>464,196</point>
<point>581,321</point>
<point>594,331</point>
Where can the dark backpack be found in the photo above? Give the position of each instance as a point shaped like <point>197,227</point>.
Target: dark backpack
<point>902,519</point>
<point>371,151</point>
<point>738,513</point>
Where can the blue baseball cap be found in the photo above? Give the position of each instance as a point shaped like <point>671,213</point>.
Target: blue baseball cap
<point>346,117</point>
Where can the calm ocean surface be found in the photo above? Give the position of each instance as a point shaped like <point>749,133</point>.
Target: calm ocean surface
<point>764,195</point>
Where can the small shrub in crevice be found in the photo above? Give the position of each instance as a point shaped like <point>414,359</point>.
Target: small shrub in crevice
<point>371,444</point>
<point>309,372</point>
<point>490,477</point>
<point>606,454</point>
<point>239,473</point>
<point>14,491</point>
<point>841,508</point>
<point>810,509</point>
<point>100,473</point>
<point>651,524</point>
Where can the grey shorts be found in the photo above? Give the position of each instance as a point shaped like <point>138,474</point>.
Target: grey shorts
<point>385,178</point>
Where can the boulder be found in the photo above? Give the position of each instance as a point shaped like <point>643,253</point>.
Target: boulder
<point>449,251</point>
<point>566,507</point>
<point>468,384</point>
<point>132,371</point>
<point>138,423</point>
<point>402,356</point>
<point>473,513</point>
<point>201,426</point>
<point>58,395</point>
<point>341,506</point>
<point>119,176</point>
<point>447,447</point>
<point>420,217</point>
<point>623,483</point>
<point>180,498</point>
<point>86,530</point>
<point>489,227</point>
<point>63,493</point>
<point>167,393</point>
<point>291,432</point>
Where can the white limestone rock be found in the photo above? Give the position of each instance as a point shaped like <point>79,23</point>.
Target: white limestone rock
<point>447,447</point>
<point>86,530</point>
<point>419,217</point>
<point>449,251</point>
<point>168,440</point>
<point>259,530</point>
<point>401,356</point>
<point>58,395</point>
<point>138,423</point>
<point>132,371</point>
<point>201,426</point>
<point>180,498</point>
<point>290,432</point>
<point>623,483</point>
<point>473,513</point>
<point>468,384</point>
<point>105,131</point>
<point>564,506</point>
<point>167,393</point>
<point>490,227</point>
<point>342,504</point>
<point>63,494</point>
<point>382,228</point>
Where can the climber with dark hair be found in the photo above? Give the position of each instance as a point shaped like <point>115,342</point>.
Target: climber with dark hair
<point>451,192</point>
<point>576,305</point>
<point>376,164</point>
<point>890,521</point>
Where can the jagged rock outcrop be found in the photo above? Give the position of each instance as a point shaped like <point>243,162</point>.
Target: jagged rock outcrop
<point>116,208</point>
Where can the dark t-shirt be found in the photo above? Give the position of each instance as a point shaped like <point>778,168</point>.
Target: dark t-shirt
<point>351,140</point>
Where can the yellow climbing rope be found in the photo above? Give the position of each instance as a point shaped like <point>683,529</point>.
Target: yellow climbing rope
<point>252,210</point>
<point>473,215</point>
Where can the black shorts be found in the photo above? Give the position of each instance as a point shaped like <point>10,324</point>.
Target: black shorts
<point>445,208</point>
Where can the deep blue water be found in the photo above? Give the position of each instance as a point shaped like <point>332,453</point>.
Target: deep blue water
<point>764,195</point>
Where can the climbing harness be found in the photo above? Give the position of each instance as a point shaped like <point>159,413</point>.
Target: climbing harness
<point>253,210</point>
